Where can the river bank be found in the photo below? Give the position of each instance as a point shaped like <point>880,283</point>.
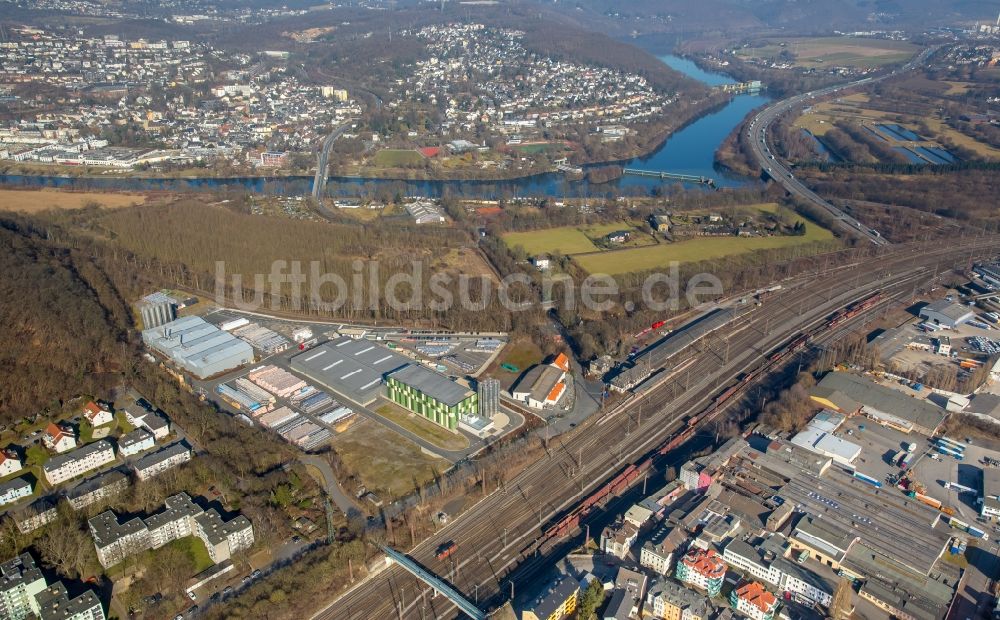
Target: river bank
<point>688,150</point>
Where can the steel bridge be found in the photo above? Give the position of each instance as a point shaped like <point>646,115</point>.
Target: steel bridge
<point>657,174</point>
<point>435,582</point>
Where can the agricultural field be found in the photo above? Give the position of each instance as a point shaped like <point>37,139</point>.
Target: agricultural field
<point>572,240</point>
<point>395,158</point>
<point>397,465</point>
<point>33,201</point>
<point>822,52</point>
<point>566,239</point>
<point>692,250</point>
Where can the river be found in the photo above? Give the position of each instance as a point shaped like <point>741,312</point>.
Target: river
<point>688,151</point>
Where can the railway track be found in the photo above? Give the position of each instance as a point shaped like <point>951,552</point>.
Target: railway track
<point>502,539</point>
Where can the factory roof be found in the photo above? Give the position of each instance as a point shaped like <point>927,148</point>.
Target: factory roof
<point>354,368</point>
<point>827,421</point>
<point>195,344</point>
<point>541,382</point>
<point>432,384</point>
<point>827,444</point>
<point>991,488</point>
<point>948,309</point>
<point>884,399</point>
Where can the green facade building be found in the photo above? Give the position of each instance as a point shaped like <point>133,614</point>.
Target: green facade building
<point>434,396</point>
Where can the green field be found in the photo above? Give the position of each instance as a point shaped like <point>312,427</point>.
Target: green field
<point>571,240</point>
<point>566,239</point>
<point>703,248</point>
<point>393,158</point>
<point>532,149</point>
<point>818,52</point>
<point>195,549</point>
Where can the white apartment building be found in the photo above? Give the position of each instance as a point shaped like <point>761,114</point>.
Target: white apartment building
<point>15,489</point>
<point>62,467</point>
<point>114,541</point>
<point>160,461</point>
<point>20,582</point>
<point>136,441</point>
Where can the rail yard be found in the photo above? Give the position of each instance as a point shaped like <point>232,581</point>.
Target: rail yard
<point>509,535</point>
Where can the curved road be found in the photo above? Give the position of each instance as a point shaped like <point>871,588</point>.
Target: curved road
<point>777,170</point>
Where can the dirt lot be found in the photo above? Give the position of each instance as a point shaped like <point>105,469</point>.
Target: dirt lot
<point>385,460</point>
<point>33,201</point>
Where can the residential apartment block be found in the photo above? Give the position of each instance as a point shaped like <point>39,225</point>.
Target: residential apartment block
<point>115,540</point>
<point>703,569</point>
<point>671,601</point>
<point>15,489</point>
<point>136,441</point>
<point>24,594</point>
<point>754,601</point>
<point>96,489</point>
<point>20,582</point>
<point>160,461</point>
<point>62,467</point>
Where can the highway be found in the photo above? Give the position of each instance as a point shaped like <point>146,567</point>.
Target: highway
<point>500,538</point>
<point>323,160</point>
<point>780,172</point>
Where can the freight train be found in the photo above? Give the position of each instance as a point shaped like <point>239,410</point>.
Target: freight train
<point>624,479</point>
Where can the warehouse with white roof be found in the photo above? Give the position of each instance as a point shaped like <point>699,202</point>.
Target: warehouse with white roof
<point>198,346</point>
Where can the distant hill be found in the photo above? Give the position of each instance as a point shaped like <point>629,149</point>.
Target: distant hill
<point>799,16</point>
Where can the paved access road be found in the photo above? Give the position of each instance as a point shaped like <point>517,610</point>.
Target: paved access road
<point>498,539</point>
<point>781,173</point>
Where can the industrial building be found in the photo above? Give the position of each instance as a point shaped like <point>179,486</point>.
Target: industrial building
<point>990,495</point>
<point>198,347</point>
<point>851,394</point>
<point>424,211</point>
<point>353,368</point>
<point>658,355</point>
<point>819,437</point>
<point>434,396</point>
<point>544,385</point>
<point>489,398</point>
<point>156,309</point>
<point>946,313</point>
